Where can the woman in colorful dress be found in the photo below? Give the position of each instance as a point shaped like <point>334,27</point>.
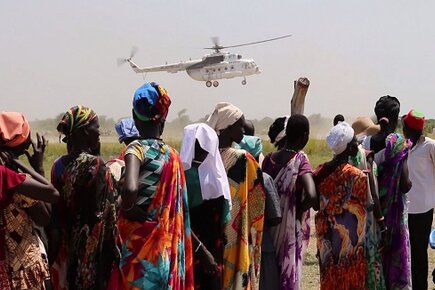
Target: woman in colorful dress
<point>209,202</point>
<point>391,153</point>
<point>341,219</point>
<point>292,174</point>
<point>243,233</point>
<point>83,228</point>
<point>154,221</point>
<point>23,260</point>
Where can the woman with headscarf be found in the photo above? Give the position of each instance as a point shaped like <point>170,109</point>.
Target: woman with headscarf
<point>154,221</point>
<point>23,261</point>
<point>243,233</point>
<point>292,174</point>
<point>391,151</point>
<point>341,219</point>
<point>83,229</point>
<point>209,202</point>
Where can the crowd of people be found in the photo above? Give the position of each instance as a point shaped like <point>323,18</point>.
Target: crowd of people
<point>220,214</point>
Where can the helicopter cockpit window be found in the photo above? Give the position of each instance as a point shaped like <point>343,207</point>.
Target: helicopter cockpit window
<point>239,56</point>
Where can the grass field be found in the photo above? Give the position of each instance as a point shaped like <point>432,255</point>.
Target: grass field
<point>318,153</point>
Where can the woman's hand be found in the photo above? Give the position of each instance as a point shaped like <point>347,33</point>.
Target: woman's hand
<point>36,160</point>
<point>210,267</point>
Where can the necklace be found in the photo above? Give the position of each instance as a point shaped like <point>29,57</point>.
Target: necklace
<point>290,150</point>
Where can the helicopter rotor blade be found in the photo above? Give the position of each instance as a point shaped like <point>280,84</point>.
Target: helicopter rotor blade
<point>120,61</point>
<point>257,42</point>
<point>133,52</point>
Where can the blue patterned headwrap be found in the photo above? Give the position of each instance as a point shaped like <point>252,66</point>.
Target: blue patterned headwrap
<point>151,102</point>
<point>126,129</point>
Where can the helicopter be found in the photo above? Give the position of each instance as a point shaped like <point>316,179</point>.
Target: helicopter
<point>212,67</point>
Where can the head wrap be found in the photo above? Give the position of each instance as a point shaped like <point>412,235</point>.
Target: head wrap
<point>339,136</point>
<point>252,144</point>
<point>223,116</point>
<point>14,129</point>
<point>151,102</point>
<point>414,120</point>
<point>212,174</point>
<point>126,129</point>
<point>75,118</point>
<point>282,134</point>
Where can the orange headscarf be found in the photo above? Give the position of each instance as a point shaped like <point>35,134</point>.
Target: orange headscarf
<point>14,129</point>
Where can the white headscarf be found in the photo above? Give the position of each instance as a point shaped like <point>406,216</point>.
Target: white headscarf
<point>212,175</point>
<point>339,136</point>
<point>223,116</point>
<point>282,134</point>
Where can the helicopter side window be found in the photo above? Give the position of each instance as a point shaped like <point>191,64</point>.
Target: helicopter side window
<point>239,56</point>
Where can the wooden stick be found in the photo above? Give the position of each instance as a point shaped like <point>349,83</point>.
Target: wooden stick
<point>298,99</point>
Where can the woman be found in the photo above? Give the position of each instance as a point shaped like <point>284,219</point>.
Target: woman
<point>82,232</point>
<point>209,202</point>
<point>154,219</point>
<point>23,261</point>
<point>391,152</point>
<point>341,219</point>
<point>375,222</point>
<point>243,233</point>
<point>269,273</point>
<point>292,174</point>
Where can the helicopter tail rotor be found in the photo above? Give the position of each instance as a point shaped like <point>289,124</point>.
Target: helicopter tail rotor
<point>121,61</point>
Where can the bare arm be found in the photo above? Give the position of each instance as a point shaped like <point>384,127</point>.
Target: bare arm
<point>131,181</point>
<point>309,197</point>
<point>405,184</point>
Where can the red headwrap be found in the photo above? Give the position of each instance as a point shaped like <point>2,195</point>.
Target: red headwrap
<point>14,129</point>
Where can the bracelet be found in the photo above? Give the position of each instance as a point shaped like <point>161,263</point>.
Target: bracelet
<point>128,209</point>
<point>199,246</point>
<point>384,230</point>
<point>381,219</point>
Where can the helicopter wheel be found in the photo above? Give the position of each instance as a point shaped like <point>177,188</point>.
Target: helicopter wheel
<point>208,84</point>
<point>215,84</point>
<point>244,82</point>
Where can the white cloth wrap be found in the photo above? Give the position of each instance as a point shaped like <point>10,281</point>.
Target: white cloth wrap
<point>223,116</point>
<point>212,175</point>
<point>339,136</point>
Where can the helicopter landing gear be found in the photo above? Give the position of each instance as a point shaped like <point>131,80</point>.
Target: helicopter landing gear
<point>244,82</point>
<point>208,84</point>
<point>215,84</point>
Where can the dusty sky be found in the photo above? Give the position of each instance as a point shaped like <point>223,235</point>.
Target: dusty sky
<point>55,54</point>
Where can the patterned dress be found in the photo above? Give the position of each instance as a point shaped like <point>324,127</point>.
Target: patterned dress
<point>397,257</point>
<point>22,262</point>
<point>291,237</point>
<point>375,276</point>
<point>156,253</point>
<point>86,220</point>
<point>243,233</point>
<point>340,227</point>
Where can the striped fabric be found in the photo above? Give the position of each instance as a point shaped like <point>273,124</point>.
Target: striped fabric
<point>152,156</point>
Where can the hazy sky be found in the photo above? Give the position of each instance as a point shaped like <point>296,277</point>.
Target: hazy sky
<point>55,54</point>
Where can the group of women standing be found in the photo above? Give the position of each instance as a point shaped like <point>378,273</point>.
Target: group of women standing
<point>199,219</point>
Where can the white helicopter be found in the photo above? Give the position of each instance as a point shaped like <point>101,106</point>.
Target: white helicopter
<point>212,67</point>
